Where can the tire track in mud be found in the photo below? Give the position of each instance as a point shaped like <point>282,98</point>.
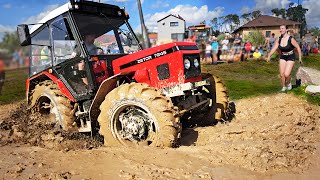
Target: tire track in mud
<point>272,134</point>
<point>23,127</point>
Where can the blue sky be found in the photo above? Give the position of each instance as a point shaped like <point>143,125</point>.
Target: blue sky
<point>193,11</point>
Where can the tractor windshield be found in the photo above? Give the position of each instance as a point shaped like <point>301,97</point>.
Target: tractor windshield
<point>105,35</point>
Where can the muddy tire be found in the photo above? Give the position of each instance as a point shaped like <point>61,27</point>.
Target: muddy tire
<point>47,99</point>
<point>222,98</point>
<point>136,114</point>
<point>218,94</point>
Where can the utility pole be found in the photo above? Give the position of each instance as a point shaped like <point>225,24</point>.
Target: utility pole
<point>143,27</point>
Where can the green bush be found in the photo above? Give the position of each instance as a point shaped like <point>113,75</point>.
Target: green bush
<point>256,38</point>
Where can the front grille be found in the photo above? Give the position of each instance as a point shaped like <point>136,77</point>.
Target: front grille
<point>163,71</point>
<point>193,71</point>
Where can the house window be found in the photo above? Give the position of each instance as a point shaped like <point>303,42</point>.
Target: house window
<point>172,24</point>
<point>177,36</point>
<point>268,33</point>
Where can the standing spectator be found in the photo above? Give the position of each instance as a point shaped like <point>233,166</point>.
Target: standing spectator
<point>248,47</point>
<point>272,39</point>
<point>305,48</point>
<point>215,48</point>
<point>224,44</point>
<point>15,59</point>
<point>208,52</point>
<point>237,43</point>
<point>316,41</point>
<point>2,75</point>
<point>21,58</point>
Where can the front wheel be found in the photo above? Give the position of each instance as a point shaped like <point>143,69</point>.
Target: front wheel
<point>136,114</point>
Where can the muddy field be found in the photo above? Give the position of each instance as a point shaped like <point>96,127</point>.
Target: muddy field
<point>272,137</point>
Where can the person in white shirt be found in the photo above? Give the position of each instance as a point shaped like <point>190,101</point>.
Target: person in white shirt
<point>208,52</point>
<point>224,44</point>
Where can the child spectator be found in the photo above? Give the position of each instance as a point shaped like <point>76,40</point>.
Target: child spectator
<point>248,47</point>
<point>256,54</point>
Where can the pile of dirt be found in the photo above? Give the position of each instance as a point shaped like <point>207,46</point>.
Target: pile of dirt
<point>269,134</point>
<point>21,126</point>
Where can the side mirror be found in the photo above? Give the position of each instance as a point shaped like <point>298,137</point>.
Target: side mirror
<point>24,35</point>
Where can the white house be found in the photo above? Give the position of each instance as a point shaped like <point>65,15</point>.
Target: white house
<point>171,28</point>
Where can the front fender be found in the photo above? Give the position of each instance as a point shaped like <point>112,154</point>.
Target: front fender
<point>105,87</point>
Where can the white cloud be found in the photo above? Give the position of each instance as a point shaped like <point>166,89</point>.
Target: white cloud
<point>265,6</point>
<point>7,6</point>
<point>192,15</point>
<point>245,9</point>
<point>7,28</point>
<point>159,4</point>
<point>37,18</point>
<point>313,14</point>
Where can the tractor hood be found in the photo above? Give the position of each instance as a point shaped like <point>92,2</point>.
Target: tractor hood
<point>162,66</point>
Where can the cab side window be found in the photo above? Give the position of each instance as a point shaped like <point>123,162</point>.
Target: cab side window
<point>41,58</point>
<point>64,44</point>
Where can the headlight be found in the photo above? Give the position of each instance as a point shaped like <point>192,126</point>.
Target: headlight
<point>196,62</point>
<point>186,63</point>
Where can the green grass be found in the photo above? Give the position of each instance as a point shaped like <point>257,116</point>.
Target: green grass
<point>14,87</point>
<point>312,61</point>
<point>247,79</point>
<point>255,78</point>
<point>300,91</point>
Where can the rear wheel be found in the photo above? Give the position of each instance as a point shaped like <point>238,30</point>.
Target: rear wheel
<point>136,114</point>
<point>47,99</point>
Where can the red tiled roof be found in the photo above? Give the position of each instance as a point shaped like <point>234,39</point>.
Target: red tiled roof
<point>153,36</point>
<point>267,21</point>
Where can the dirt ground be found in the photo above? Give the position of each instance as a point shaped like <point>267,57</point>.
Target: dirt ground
<point>271,137</point>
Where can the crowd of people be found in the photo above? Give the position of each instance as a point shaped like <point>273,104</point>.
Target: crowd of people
<point>234,48</point>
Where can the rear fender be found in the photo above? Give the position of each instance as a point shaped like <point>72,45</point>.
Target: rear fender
<point>105,87</point>
<point>32,82</point>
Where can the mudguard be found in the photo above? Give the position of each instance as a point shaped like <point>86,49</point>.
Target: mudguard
<point>105,87</point>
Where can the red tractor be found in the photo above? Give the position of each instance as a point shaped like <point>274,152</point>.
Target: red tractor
<point>88,73</point>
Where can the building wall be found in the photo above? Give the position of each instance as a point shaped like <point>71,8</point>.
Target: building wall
<point>165,30</point>
<point>275,30</point>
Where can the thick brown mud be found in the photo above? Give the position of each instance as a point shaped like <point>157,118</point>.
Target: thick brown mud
<point>271,137</point>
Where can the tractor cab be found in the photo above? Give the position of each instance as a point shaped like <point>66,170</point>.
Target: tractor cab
<point>77,43</point>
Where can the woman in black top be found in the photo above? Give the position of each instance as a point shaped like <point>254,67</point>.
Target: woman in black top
<point>286,44</point>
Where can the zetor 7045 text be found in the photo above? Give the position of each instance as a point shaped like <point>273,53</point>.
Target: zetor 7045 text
<point>88,73</point>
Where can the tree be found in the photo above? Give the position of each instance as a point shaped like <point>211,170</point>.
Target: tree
<point>232,20</point>
<point>255,14</point>
<point>256,38</point>
<point>246,17</point>
<point>298,13</point>
<point>10,42</point>
<point>279,12</point>
<point>203,22</point>
<point>315,31</point>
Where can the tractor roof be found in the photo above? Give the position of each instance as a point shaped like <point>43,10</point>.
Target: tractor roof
<point>60,10</point>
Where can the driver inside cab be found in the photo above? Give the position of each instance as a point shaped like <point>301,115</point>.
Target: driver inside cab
<point>89,42</point>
